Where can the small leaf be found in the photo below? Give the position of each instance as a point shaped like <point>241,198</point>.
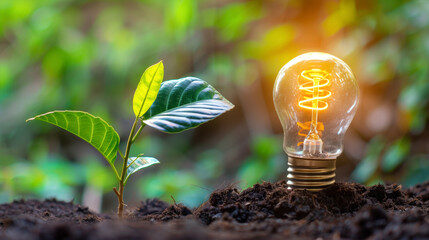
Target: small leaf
<point>92,129</point>
<point>139,163</point>
<point>148,88</point>
<point>185,103</point>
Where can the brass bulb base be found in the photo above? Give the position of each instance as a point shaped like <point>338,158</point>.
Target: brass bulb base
<point>310,174</point>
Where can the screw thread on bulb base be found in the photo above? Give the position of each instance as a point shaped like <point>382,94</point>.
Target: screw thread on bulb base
<point>310,174</point>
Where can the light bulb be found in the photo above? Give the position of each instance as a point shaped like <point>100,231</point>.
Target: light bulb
<point>316,96</point>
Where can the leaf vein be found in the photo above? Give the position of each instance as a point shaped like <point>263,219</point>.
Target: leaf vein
<point>148,90</point>
<point>183,93</point>
<point>169,95</point>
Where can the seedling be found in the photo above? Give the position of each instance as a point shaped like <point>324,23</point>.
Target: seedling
<point>171,106</point>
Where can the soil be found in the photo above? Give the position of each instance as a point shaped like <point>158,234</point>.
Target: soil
<point>265,211</point>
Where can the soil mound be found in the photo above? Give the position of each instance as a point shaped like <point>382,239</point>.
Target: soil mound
<point>49,210</point>
<point>157,210</point>
<point>264,211</point>
<point>274,200</point>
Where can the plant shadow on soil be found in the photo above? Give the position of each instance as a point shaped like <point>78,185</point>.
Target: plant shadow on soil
<point>265,211</point>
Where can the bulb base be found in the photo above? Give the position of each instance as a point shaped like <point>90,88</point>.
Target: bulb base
<point>310,174</point>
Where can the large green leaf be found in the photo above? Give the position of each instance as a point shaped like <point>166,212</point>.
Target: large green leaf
<point>185,103</point>
<point>92,129</point>
<point>138,163</point>
<point>148,88</point>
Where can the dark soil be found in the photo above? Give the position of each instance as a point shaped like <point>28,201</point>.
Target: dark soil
<point>265,211</point>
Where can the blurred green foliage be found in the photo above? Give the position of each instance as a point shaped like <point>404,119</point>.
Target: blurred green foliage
<point>264,162</point>
<point>89,54</point>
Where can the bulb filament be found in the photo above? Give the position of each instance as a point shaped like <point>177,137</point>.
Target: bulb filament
<point>314,97</point>
<point>305,129</point>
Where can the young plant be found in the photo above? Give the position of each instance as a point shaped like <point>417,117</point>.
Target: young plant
<point>171,106</point>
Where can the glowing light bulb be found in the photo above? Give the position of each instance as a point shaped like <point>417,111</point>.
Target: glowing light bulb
<point>316,96</point>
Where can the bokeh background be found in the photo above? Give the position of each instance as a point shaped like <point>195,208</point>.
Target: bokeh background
<point>89,55</point>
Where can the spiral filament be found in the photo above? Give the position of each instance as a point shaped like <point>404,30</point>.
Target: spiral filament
<point>314,97</point>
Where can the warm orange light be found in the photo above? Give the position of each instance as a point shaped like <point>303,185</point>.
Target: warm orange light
<point>316,96</point>
<point>313,96</point>
<point>306,126</point>
<point>305,129</point>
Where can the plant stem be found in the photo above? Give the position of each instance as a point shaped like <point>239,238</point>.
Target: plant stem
<point>120,193</point>
<point>138,132</point>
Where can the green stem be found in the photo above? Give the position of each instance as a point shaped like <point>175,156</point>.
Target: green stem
<point>138,132</point>
<point>120,193</point>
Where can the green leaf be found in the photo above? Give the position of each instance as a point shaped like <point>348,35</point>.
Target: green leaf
<point>185,103</point>
<point>395,155</point>
<point>92,129</point>
<point>148,88</point>
<point>138,163</point>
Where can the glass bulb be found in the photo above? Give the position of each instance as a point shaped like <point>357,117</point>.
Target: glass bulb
<point>316,96</point>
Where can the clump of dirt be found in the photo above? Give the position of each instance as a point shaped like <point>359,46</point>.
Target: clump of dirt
<point>265,211</point>
<point>420,191</point>
<point>157,210</point>
<point>149,207</point>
